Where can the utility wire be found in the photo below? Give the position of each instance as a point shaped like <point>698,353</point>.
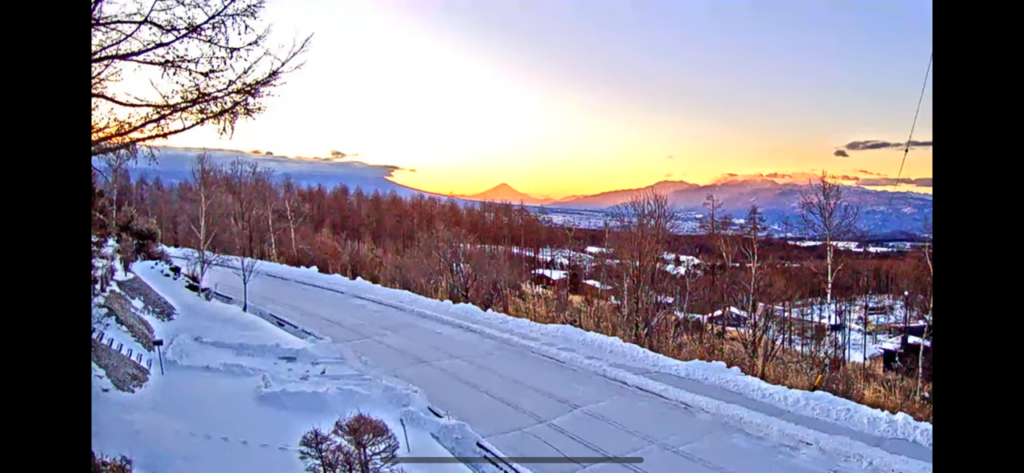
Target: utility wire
<point>906,149</point>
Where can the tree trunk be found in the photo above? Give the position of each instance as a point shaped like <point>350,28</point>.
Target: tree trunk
<point>270,230</point>
<point>291,226</point>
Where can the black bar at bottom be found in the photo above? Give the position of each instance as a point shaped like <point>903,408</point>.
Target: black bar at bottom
<point>520,460</point>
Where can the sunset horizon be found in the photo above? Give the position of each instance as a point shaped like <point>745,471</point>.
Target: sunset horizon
<point>844,176</point>
<point>547,236</point>
<point>465,97</point>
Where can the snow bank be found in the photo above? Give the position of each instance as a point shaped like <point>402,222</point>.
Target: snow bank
<point>598,352</point>
<point>238,394</point>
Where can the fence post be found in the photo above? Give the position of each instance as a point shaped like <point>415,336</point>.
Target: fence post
<point>157,342</point>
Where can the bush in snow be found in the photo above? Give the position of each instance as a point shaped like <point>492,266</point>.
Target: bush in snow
<point>356,444</point>
<point>139,239</point>
<point>104,258</point>
<point>104,464</point>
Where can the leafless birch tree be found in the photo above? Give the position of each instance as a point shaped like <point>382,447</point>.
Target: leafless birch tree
<point>828,216</point>
<point>248,269</point>
<point>927,253</point>
<point>753,228</point>
<point>294,215</point>
<point>245,183</point>
<point>205,176</point>
<point>268,195</point>
<point>760,339</point>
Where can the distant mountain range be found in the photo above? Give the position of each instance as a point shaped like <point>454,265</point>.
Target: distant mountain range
<point>174,165</point>
<point>882,212</point>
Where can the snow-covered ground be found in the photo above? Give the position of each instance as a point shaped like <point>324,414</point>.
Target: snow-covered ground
<point>857,246</point>
<point>238,393</point>
<point>513,380</point>
<point>861,341</point>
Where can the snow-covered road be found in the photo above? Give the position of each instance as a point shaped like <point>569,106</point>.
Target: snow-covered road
<point>531,405</point>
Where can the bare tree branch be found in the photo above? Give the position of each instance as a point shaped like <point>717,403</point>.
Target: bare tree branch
<point>643,226</point>
<point>828,216</point>
<point>208,62</point>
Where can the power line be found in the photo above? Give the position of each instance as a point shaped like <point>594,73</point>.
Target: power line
<point>906,149</point>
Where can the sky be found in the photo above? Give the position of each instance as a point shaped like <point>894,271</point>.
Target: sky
<point>570,97</point>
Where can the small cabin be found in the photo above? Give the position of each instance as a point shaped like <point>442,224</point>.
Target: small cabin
<point>550,278</point>
<point>901,356</point>
<point>731,317</point>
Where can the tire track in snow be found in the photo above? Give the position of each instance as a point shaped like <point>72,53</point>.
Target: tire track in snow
<point>844,447</point>
<point>540,420</point>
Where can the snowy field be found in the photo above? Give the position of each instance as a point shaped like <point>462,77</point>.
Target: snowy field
<point>548,390</point>
<point>238,393</point>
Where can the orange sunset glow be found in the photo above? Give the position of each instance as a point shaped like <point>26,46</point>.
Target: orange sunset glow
<point>461,108</point>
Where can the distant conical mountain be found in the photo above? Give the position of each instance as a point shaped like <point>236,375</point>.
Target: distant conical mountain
<point>506,193</point>
<point>776,194</point>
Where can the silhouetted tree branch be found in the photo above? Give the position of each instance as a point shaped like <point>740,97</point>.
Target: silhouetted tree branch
<point>206,61</point>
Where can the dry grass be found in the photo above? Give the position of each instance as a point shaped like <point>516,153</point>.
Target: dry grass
<point>856,382</point>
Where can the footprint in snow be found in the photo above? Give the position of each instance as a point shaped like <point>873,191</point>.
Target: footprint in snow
<point>283,448</point>
<point>264,445</point>
<point>245,442</point>
<point>207,436</point>
<point>224,439</point>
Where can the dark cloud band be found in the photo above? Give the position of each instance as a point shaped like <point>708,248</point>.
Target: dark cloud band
<point>868,145</point>
<point>888,181</point>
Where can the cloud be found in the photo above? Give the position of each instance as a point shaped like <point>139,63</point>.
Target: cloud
<point>888,181</point>
<point>669,157</point>
<point>668,175</point>
<point>775,175</point>
<point>178,161</point>
<point>841,153</point>
<point>844,177</point>
<point>863,171</point>
<point>338,155</point>
<point>868,145</point>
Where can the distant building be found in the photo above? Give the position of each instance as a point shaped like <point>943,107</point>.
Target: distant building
<point>901,354</point>
<point>731,317</point>
<point>552,278</point>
